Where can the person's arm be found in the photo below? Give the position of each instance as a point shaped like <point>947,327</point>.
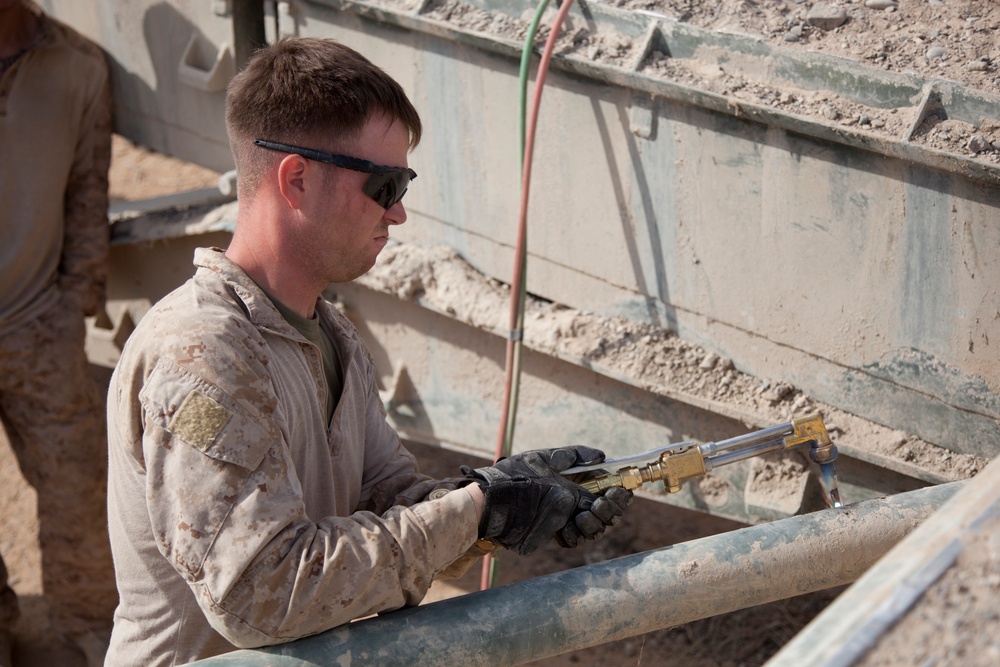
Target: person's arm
<point>520,518</point>
<point>227,510</point>
<point>392,478</point>
<point>477,497</point>
<point>83,267</point>
<point>391,475</point>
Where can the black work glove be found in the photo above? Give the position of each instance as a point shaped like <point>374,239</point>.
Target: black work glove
<point>594,516</point>
<point>528,501</point>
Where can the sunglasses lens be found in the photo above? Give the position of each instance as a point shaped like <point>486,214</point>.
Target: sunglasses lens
<point>387,187</point>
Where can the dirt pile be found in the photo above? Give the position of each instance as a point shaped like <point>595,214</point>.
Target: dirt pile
<point>949,39</point>
<point>954,40</point>
<point>139,173</point>
<point>657,359</point>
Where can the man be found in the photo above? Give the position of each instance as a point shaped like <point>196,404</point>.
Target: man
<point>55,147</point>
<point>257,494</point>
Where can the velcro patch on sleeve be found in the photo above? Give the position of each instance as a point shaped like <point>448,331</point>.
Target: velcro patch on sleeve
<point>199,420</point>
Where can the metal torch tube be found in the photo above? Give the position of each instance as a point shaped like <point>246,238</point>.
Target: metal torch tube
<point>750,439</point>
<point>713,461</point>
<point>619,598</point>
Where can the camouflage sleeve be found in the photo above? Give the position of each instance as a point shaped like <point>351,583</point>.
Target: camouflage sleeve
<point>394,481</point>
<point>399,484</point>
<point>83,268</point>
<point>227,512</point>
<point>464,562</point>
<point>391,474</point>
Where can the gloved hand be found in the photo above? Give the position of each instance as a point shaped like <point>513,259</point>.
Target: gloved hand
<point>593,517</point>
<point>528,501</point>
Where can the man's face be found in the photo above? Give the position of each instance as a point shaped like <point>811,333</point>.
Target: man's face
<point>349,227</point>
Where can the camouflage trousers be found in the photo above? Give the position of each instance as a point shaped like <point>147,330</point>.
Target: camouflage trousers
<point>54,418</point>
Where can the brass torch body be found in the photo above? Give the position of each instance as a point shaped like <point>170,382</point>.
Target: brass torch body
<point>675,466</point>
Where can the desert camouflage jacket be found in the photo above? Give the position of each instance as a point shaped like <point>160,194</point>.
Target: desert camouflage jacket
<point>55,148</point>
<point>238,514</point>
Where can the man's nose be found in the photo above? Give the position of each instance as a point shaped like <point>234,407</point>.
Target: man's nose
<point>396,214</point>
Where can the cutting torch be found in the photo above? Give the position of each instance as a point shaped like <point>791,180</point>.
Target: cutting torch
<point>676,463</point>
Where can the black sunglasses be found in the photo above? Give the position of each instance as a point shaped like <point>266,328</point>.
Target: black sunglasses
<point>386,185</point>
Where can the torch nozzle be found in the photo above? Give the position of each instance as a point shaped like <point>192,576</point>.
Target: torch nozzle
<point>824,456</point>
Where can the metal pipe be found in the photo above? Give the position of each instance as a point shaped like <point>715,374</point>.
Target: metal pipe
<point>725,458</point>
<point>623,597</point>
<point>248,29</point>
<point>764,435</point>
<point>856,621</point>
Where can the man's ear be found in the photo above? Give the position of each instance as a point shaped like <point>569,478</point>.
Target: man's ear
<point>292,173</point>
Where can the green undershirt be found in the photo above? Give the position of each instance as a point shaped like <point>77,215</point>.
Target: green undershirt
<point>313,332</point>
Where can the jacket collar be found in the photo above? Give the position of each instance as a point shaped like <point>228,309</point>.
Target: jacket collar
<point>258,307</point>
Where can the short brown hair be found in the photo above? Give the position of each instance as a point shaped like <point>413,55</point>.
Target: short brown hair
<point>300,89</point>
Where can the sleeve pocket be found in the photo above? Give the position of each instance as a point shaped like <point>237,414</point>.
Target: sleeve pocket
<point>204,416</point>
<point>201,448</point>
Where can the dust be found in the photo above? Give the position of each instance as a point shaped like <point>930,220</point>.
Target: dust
<point>775,479</point>
<point>983,140</point>
<point>656,359</point>
<point>950,624</point>
<point>947,39</point>
<point>689,569</point>
<point>139,173</point>
<point>820,105</point>
<point>603,45</point>
<point>712,489</point>
<point>475,19</point>
<point>936,39</point>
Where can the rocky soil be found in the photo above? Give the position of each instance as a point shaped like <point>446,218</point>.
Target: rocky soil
<point>660,360</point>
<point>950,39</point>
<point>935,39</point>
<point>953,40</point>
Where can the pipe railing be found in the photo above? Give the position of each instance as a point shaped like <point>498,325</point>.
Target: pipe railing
<point>620,598</point>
